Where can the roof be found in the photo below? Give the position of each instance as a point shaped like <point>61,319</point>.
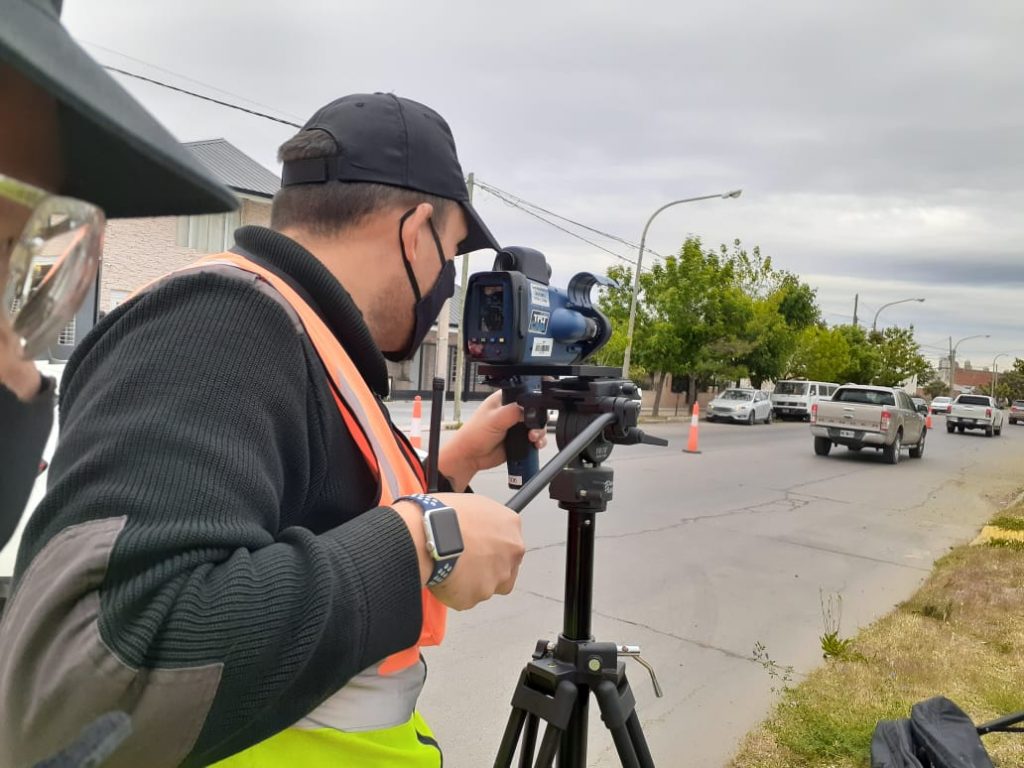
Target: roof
<point>971,377</point>
<point>233,168</point>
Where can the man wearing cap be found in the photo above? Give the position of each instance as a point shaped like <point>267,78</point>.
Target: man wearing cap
<point>237,548</point>
<point>68,131</point>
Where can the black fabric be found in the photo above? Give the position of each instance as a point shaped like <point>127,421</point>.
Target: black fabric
<point>252,536</point>
<point>386,139</point>
<point>946,735</point>
<point>892,745</point>
<point>116,154</point>
<point>26,426</point>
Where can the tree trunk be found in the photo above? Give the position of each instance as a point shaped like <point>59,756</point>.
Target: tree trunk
<point>658,387</point>
<point>691,396</point>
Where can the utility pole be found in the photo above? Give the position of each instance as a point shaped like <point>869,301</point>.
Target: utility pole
<point>951,364</point>
<point>460,354</point>
<point>856,300</point>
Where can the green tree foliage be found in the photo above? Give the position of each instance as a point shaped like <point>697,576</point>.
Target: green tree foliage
<point>899,357</point>
<point>937,387</point>
<point>822,354</point>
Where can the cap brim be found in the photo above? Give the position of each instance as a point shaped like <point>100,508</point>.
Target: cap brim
<point>116,155</point>
<point>479,236</point>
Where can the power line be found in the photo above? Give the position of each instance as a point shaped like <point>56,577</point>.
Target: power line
<point>186,77</point>
<point>491,188</point>
<point>569,232</point>
<point>227,104</point>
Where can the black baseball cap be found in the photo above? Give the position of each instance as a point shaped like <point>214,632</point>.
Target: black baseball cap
<point>385,139</point>
<point>116,155</point>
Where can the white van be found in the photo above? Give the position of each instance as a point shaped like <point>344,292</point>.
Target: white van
<point>794,398</point>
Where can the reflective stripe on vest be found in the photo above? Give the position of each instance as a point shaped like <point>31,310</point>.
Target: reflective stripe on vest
<point>385,695</point>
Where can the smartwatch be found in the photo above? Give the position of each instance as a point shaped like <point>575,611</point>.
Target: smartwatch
<point>444,539</point>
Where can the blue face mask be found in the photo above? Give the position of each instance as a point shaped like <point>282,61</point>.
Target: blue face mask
<point>428,306</point>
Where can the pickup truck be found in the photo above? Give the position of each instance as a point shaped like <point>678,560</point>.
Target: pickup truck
<point>859,417</point>
<point>975,412</point>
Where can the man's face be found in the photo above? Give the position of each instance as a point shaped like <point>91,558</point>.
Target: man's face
<point>29,150</point>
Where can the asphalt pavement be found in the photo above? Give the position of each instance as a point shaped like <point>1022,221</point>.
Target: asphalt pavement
<point>700,557</point>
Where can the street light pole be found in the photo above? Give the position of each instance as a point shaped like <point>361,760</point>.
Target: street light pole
<point>952,356</point>
<point>874,323</point>
<point>639,261</point>
<point>995,371</point>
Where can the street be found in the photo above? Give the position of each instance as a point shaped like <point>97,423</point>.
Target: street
<point>700,557</point>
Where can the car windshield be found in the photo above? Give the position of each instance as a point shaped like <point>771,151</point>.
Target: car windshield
<point>736,394</point>
<point>791,388</point>
<point>864,396</point>
<point>1018,403</point>
<point>972,400</point>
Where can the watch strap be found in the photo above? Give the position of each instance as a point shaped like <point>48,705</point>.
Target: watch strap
<point>442,568</point>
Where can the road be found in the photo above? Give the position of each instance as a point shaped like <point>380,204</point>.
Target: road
<point>699,557</point>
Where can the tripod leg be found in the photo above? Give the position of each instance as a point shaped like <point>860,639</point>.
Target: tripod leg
<point>549,747</point>
<point>636,735</point>
<point>507,750</point>
<point>615,717</point>
<point>529,742</point>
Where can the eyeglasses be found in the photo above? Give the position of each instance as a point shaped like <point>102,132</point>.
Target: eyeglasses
<point>52,263</point>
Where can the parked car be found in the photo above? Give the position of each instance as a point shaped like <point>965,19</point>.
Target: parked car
<point>794,398</point>
<point>858,417</point>
<point>746,405</point>
<point>941,405</point>
<point>975,412</point>
<point>1016,411</point>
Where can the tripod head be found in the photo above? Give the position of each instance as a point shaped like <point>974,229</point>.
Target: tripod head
<point>589,395</point>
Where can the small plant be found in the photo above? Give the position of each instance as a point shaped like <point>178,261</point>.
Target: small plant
<point>937,612</point>
<point>1014,544</point>
<point>832,645</point>
<point>779,674</point>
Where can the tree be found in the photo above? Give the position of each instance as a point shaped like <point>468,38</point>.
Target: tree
<point>822,354</point>
<point>936,388</point>
<point>899,358</point>
<point>863,362</point>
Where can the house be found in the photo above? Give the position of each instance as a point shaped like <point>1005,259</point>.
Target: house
<point>138,251</point>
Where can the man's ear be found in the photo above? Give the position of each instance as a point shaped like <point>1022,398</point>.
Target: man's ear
<point>414,227</point>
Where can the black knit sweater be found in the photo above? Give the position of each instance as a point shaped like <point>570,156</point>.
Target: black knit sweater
<point>253,538</point>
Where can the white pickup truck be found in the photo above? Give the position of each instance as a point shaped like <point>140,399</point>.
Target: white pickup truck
<point>975,412</point>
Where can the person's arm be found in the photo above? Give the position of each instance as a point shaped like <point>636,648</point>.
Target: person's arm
<point>158,576</point>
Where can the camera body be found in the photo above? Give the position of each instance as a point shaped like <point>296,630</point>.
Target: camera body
<point>514,317</point>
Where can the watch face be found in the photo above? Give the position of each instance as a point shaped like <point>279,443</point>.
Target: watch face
<point>447,536</point>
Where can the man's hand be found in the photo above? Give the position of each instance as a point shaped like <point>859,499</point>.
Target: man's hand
<point>480,444</point>
<point>16,373</point>
<point>493,541</point>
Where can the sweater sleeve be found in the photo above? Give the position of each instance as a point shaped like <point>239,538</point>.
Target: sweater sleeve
<point>186,418</point>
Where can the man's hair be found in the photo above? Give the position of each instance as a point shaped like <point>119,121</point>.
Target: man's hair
<point>328,208</point>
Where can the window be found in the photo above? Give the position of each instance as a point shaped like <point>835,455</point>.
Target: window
<point>67,334</point>
<point>791,388</point>
<point>211,233</point>
<point>865,396</point>
<point>973,400</point>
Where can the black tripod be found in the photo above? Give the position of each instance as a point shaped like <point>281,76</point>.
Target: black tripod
<point>556,685</point>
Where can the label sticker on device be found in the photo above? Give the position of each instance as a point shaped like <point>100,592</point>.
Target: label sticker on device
<point>539,295</point>
<point>542,347</point>
<point>538,322</point>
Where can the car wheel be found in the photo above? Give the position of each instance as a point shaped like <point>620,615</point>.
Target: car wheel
<point>918,450</point>
<point>855,448</point>
<point>750,419</point>
<point>892,452</point>
<point>960,429</point>
<point>989,431</point>
<point>770,417</point>
<point>822,446</point>
<point>950,428</point>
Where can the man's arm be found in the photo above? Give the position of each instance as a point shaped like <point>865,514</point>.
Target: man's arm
<point>158,577</point>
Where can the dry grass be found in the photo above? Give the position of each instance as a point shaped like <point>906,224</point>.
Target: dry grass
<point>960,636</point>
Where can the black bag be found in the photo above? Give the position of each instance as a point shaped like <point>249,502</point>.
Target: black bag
<point>938,734</point>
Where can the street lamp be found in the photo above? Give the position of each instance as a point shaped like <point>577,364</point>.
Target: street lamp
<point>952,355</point>
<point>890,304</point>
<point>995,373</point>
<point>639,260</point>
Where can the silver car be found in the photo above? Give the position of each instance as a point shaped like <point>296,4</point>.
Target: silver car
<point>745,405</point>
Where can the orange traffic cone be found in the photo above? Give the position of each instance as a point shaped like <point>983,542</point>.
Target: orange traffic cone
<point>928,420</point>
<point>691,445</point>
<point>416,428</point>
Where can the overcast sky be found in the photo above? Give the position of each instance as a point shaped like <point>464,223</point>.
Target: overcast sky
<point>880,145</point>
